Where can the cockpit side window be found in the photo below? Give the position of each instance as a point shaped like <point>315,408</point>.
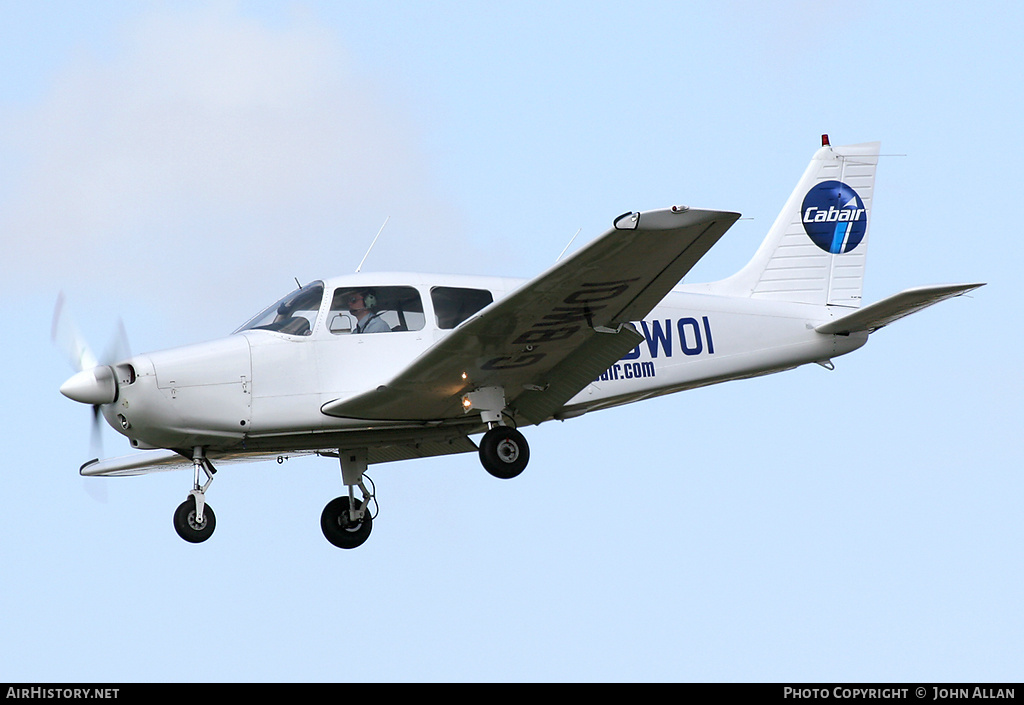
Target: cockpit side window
<point>453,305</point>
<point>375,309</point>
<point>295,314</point>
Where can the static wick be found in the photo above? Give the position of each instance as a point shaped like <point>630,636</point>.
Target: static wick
<point>372,244</point>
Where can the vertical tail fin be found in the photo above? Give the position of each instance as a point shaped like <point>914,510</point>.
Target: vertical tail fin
<point>815,250</point>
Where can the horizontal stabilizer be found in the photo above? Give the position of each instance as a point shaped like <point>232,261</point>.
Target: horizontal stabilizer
<point>893,308</point>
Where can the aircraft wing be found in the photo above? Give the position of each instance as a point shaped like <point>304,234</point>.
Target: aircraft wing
<point>141,463</point>
<point>381,450</point>
<point>149,461</point>
<point>554,335</point>
<point>892,308</point>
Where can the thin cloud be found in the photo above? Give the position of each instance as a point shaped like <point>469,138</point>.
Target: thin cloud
<point>208,144</point>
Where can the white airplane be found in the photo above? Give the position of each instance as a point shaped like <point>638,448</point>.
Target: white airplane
<point>374,368</point>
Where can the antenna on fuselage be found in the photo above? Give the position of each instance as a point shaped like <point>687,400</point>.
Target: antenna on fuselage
<point>567,246</point>
<point>372,244</point>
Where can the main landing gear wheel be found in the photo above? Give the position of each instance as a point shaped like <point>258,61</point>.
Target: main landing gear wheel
<point>340,528</point>
<point>186,525</point>
<point>504,452</point>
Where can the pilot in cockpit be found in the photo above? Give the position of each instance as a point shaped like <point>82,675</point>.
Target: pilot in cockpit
<point>363,305</point>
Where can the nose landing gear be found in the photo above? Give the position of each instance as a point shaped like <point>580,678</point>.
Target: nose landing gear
<point>191,528</point>
<point>194,519</point>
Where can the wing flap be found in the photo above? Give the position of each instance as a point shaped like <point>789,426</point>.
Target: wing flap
<point>575,372</point>
<point>882,313</point>
<point>517,342</point>
<point>425,449</point>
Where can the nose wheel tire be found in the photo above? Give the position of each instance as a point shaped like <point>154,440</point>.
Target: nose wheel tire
<point>186,525</point>
<point>504,452</point>
<point>340,528</point>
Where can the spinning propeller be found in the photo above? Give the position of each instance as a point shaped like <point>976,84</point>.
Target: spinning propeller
<point>95,381</point>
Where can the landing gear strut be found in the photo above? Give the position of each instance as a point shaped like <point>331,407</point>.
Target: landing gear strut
<point>346,521</point>
<point>194,519</point>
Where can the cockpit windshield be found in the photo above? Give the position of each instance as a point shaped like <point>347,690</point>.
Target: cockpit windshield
<point>295,314</point>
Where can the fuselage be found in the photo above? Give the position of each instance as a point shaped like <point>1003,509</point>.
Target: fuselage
<point>263,386</point>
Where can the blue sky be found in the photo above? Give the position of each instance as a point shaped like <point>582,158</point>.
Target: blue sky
<point>177,165</point>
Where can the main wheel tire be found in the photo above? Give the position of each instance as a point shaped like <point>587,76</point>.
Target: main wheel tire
<point>339,528</point>
<point>186,525</point>
<point>504,452</point>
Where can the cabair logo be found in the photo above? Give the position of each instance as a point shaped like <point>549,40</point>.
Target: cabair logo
<point>834,217</point>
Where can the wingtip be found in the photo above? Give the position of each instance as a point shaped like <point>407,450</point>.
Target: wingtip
<point>968,288</point>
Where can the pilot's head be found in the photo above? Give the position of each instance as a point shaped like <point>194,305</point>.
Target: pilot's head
<point>361,300</point>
